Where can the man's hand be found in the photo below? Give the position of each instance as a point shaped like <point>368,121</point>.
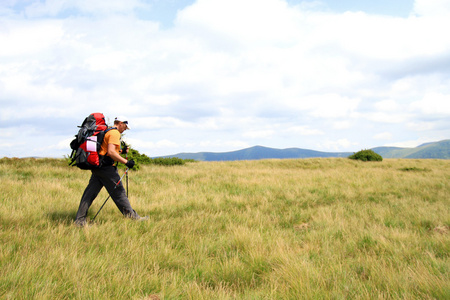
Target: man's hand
<point>124,148</point>
<point>130,164</point>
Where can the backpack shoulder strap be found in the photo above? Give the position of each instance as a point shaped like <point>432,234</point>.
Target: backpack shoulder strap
<point>103,133</point>
<point>106,160</point>
<point>110,128</point>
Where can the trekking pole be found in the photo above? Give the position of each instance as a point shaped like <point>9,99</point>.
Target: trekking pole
<point>125,146</point>
<point>126,171</point>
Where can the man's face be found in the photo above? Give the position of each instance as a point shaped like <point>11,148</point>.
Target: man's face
<point>122,127</point>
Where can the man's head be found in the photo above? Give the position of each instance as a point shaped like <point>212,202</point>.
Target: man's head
<point>121,123</point>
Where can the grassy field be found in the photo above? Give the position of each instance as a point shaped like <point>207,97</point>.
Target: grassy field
<point>269,229</point>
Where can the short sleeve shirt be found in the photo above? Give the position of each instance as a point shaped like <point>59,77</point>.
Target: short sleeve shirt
<point>111,137</point>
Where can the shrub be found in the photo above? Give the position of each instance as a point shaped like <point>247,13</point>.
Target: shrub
<point>168,161</point>
<point>414,169</point>
<point>366,155</point>
<point>142,159</point>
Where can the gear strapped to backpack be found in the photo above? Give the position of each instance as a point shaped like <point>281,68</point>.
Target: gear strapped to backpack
<point>87,143</point>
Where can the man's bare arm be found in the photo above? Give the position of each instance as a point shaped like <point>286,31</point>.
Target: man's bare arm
<point>114,154</point>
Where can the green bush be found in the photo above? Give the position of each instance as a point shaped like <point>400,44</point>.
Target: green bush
<point>142,159</point>
<point>170,161</point>
<point>366,155</point>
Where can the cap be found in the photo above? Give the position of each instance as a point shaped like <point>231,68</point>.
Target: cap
<point>123,120</point>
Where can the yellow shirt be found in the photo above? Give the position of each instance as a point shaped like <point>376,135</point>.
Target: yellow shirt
<point>111,137</point>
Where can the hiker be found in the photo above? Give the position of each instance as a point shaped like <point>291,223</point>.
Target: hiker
<point>107,175</point>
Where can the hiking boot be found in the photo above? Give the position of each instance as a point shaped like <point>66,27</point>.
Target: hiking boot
<point>80,222</point>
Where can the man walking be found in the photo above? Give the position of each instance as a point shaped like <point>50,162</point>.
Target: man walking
<point>108,177</point>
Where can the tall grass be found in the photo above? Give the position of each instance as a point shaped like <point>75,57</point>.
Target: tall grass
<point>269,229</point>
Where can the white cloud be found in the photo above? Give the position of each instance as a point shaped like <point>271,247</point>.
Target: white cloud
<point>159,123</point>
<point>249,22</point>
<point>62,145</point>
<point>342,125</point>
<point>421,126</point>
<point>433,103</point>
<point>432,7</point>
<point>387,105</point>
<point>388,118</point>
<point>337,145</point>
<point>150,145</point>
<point>22,38</point>
<point>304,130</point>
<point>329,105</point>
<point>258,134</point>
<point>107,61</point>
<point>227,74</point>
<point>383,136</point>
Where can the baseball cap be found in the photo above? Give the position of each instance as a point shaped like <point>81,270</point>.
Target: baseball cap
<point>123,120</point>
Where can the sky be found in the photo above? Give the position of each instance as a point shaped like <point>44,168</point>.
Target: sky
<point>224,75</point>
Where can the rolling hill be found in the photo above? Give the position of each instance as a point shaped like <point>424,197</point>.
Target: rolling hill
<point>437,150</point>
<point>257,152</point>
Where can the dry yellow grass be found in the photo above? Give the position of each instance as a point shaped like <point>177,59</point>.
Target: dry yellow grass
<point>270,229</point>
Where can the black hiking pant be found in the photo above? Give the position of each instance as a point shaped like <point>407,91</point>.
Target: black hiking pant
<point>106,176</point>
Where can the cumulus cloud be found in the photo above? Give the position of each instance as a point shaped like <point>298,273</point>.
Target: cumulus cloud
<point>434,104</point>
<point>432,7</point>
<point>304,130</point>
<point>226,74</point>
<point>337,145</point>
<point>383,136</point>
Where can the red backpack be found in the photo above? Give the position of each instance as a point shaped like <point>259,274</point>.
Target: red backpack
<point>87,143</point>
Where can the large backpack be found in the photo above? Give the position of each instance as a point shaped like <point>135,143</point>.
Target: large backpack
<point>87,143</point>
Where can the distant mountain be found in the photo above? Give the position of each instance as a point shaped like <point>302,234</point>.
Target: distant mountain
<point>439,150</point>
<point>258,152</point>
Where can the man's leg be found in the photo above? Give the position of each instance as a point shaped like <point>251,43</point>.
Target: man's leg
<point>109,178</point>
<point>90,193</point>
